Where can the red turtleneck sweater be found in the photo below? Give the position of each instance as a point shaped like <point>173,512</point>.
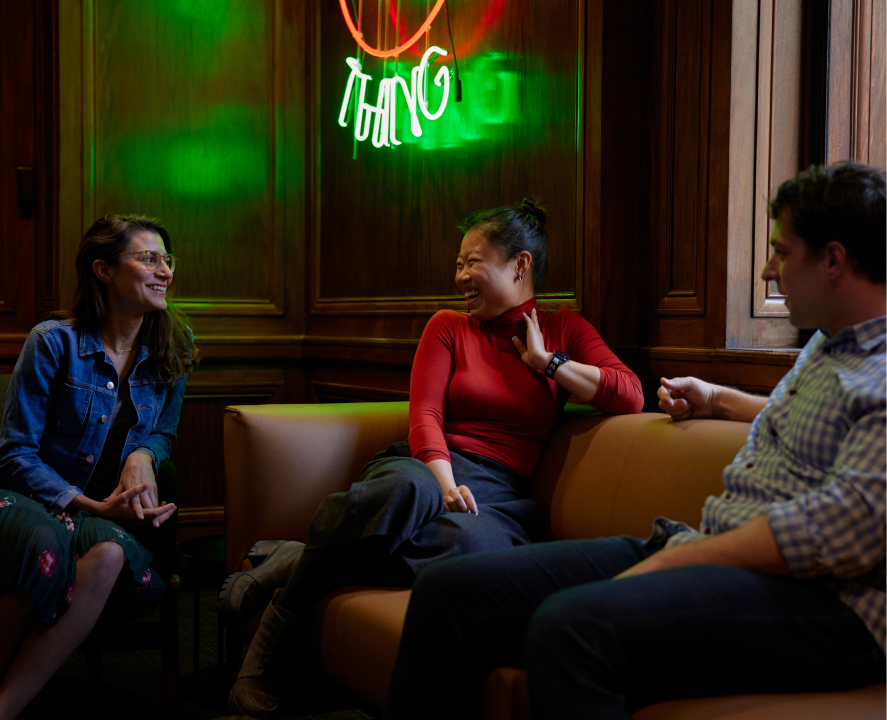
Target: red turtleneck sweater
<point>470,391</point>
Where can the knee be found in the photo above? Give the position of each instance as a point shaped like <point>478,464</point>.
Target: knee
<point>405,478</point>
<point>575,626</point>
<point>107,559</point>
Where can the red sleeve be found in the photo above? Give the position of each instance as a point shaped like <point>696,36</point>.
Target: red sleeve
<point>429,380</point>
<point>620,390</point>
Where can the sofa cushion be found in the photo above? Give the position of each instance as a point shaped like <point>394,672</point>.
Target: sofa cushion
<point>361,629</point>
<point>505,697</point>
<point>604,475</point>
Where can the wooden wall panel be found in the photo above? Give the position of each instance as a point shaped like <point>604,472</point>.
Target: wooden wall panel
<point>620,259</point>
<point>385,238</point>
<point>765,149</point>
<point>869,83</point>
<point>28,271</point>
<point>680,160</point>
<point>197,124</point>
<point>690,174</point>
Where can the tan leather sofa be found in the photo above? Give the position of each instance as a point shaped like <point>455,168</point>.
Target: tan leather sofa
<point>600,475</point>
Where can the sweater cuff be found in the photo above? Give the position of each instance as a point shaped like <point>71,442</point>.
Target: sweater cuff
<point>426,456</point>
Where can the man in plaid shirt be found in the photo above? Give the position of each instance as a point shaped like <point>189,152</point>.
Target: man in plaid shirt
<point>789,561</point>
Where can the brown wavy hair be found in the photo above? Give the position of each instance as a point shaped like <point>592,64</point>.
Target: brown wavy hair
<point>166,332</point>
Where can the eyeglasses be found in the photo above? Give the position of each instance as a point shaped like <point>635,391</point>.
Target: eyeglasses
<point>151,260</point>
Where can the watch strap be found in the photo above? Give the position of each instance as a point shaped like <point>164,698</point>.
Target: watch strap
<point>558,358</point>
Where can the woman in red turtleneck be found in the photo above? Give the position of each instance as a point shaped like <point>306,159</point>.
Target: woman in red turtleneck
<point>487,387</point>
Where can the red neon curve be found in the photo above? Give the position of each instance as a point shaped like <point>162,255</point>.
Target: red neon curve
<point>400,48</point>
<point>491,15</point>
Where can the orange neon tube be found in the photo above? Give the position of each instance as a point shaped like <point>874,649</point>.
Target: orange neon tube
<point>400,48</point>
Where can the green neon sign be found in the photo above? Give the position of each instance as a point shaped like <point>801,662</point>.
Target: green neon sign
<point>383,116</point>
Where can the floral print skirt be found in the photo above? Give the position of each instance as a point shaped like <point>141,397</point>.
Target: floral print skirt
<point>39,551</point>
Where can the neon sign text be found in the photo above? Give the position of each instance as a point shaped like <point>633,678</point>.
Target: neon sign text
<point>383,114</point>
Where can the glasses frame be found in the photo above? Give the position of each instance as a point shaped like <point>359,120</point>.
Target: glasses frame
<point>168,260</point>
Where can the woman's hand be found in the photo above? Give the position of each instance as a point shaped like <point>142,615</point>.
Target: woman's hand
<point>120,509</point>
<point>533,353</point>
<point>139,470</point>
<point>460,499</point>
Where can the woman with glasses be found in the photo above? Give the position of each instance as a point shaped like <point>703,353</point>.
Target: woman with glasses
<point>90,415</point>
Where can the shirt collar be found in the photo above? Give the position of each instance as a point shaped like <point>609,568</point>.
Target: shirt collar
<point>90,339</point>
<point>868,334</point>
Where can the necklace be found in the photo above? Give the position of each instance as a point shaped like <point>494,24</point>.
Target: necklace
<point>116,352</point>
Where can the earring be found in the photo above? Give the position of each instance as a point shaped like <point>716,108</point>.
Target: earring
<point>520,277</point>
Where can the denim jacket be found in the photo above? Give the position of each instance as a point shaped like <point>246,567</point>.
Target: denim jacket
<point>58,411</point>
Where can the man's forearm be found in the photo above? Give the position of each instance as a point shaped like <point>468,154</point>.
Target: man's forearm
<point>732,404</point>
<point>750,547</point>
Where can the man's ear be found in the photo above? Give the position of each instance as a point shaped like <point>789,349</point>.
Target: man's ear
<point>102,270</point>
<point>836,256</point>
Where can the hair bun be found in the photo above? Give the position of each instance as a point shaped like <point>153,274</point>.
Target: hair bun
<point>530,207</point>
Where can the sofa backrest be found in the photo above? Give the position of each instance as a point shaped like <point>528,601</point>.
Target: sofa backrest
<point>599,474</point>
<point>614,474</point>
<point>282,460</point>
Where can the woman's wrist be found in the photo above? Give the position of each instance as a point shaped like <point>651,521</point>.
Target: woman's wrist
<point>81,502</point>
<point>544,361</point>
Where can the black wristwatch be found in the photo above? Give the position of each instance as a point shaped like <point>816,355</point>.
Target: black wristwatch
<point>558,358</point>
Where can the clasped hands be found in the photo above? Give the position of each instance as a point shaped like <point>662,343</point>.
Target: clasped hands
<point>135,499</point>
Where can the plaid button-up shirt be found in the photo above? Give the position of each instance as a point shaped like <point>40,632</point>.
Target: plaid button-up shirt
<point>814,463</point>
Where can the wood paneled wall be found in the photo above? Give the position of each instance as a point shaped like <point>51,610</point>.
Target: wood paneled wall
<point>310,263</point>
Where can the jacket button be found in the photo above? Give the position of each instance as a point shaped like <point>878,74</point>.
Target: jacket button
<point>89,458</point>
<point>707,531</point>
<point>104,419</point>
<point>110,385</point>
<point>749,465</point>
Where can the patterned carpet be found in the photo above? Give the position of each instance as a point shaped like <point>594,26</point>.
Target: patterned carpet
<point>131,686</point>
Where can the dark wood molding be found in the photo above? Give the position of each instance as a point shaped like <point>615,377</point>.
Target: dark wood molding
<point>202,515</point>
<point>751,370</point>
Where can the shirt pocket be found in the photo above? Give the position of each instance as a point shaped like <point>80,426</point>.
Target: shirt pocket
<point>72,403</point>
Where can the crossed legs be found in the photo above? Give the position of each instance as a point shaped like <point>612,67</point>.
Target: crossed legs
<point>597,647</point>
<point>36,651</point>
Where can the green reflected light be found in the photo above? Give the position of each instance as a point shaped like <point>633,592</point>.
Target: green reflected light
<point>222,155</point>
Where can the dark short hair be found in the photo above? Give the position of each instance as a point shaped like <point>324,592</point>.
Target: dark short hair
<point>513,230</point>
<point>844,203</point>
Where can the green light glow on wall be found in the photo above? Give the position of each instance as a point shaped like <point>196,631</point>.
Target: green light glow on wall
<point>222,155</point>
<point>491,102</point>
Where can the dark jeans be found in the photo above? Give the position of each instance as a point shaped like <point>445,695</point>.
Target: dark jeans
<point>601,648</point>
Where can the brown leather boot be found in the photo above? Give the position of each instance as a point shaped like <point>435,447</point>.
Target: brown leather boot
<point>245,593</point>
<point>256,691</point>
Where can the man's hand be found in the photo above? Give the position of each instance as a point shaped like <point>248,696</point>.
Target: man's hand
<point>138,470</point>
<point>750,547</point>
<point>460,499</point>
<point>687,397</point>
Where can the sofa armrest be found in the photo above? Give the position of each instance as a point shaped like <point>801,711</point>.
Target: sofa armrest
<point>282,460</point>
